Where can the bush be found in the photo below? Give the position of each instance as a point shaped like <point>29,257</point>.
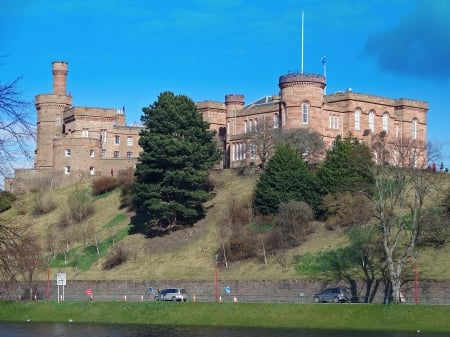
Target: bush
<point>125,180</point>
<point>6,200</point>
<point>104,184</point>
<point>43,202</point>
<point>80,204</point>
<point>118,255</point>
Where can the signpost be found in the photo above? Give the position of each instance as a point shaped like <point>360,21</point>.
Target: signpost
<point>89,293</point>
<point>61,281</point>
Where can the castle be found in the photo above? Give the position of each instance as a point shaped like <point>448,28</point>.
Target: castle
<point>75,143</point>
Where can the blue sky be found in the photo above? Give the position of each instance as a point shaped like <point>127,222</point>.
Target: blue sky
<point>124,53</point>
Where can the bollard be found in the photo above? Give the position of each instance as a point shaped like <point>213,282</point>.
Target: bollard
<point>193,298</point>
<point>234,299</point>
<point>220,298</point>
<point>125,298</point>
<point>142,298</point>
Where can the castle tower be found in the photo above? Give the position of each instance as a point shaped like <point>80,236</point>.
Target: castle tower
<point>302,99</point>
<point>50,108</point>
<point>233,104</point>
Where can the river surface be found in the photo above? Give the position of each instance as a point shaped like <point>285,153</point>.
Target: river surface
<point>30,329</point>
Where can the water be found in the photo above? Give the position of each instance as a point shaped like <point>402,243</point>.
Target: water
<point>30,329</point>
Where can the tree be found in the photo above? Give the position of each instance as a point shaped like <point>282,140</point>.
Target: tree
<point>286,178</point>
<point>16,130</point>
<point>178,152</point>
<point>308,144</point>
<point>400,201</point>
<point>347,167</point>
<point>261,141</point>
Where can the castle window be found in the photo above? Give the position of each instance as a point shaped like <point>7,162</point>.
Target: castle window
<point>357,119</point>
<point>56,135</point>
<point>305,113</point>
<point>245,126</point>
<point>85,133</point>
<point>372,120</point>
<point>276,121</point>
<point>68,152</point>
<point>91,170</point>
<point>103,154</point>
<point>67,170</point>
<point>91,153</point>
<point>414,129</point>
<point>385,121</point>
<point>334,122</point>
<point>252,150</point>
<point>250,125</point>
<point>103,135</point>
<point>116,140</point>
<point>58,120</point>
<point>255,125</point>
<point>130,141</point>
<point>129,154</point>
<point>116,154</point>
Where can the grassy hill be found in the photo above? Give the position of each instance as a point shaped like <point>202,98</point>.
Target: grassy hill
<point>185,254</point>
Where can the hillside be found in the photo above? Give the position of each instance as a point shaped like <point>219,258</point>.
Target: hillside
<point>186,254</point>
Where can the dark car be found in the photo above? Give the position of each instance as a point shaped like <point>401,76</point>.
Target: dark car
<point>335,295</point>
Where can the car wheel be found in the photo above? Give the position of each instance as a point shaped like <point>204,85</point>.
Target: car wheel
<point>336,300</point>
<point>316,300</point>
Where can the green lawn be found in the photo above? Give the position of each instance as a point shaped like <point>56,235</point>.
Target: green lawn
<point>267,315</point>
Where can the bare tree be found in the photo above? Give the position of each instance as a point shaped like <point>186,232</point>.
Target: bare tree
<point>308,144</point>
<point>400,198</point>
<point>261,141</point>
<point>16,130</point>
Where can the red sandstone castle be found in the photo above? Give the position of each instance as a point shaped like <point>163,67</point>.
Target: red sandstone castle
<point>81,142</point>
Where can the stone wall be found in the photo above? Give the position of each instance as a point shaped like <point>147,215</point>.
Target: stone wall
<point>292,291</point>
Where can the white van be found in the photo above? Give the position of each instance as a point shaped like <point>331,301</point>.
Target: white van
<point>171,294</point>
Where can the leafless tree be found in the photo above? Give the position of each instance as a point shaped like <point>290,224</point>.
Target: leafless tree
<point>16,130</point>
<point>400,199</point>
<point>261,141</point>
<point>308,144</point>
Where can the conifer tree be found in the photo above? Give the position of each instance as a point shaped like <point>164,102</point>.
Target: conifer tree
<point>286,178</point>
<point>348,166</point>
<point>178,152</point>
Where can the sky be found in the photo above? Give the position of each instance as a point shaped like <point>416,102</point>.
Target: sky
<point>124,53</point>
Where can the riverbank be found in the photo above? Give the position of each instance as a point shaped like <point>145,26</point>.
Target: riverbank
<point>365,317</point>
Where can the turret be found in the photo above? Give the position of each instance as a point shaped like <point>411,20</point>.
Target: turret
<point>50,108</point>
<point>299,92</point>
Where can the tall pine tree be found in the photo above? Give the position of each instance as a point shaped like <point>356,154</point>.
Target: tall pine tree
<point>178,152</point>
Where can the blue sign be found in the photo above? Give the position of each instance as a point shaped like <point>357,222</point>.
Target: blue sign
<point>150,290</point>
<point>227,290</point>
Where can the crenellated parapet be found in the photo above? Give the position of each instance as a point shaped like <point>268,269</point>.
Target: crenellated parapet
<point>301,79</point>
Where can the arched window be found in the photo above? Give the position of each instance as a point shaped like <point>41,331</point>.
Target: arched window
<point>245,126</point>
<point>414,129</point>
<point>372,120</point>
<point>385,121</point>
<point>305,113</point>
<point>357,119</point>
<point>255,125</point>
<point>276,121</point>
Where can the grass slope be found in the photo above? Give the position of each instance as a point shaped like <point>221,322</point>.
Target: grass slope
<point>186,254</point>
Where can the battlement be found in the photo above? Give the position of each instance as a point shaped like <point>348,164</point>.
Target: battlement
<point>234,99</point>
<point>291,79</point>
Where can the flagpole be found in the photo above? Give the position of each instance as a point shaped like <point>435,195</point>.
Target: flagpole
<point>302,42</point>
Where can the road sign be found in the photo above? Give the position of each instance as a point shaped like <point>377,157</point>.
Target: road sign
<point>227,290</point>
<point>61,279</point>
<point>89,292</point>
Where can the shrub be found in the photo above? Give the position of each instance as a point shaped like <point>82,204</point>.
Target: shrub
<point>104,184</point>
<point>43,202</point>
<point>6,200</point>
<point>80,204</point>
<point>118,255</point>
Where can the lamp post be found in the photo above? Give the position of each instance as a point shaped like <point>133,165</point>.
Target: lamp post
<point>216,281</point>
<point>416,280</point>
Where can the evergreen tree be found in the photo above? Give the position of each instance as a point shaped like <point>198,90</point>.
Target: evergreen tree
<point>178,152</point>
<point>286,178</point>
<point>347,167</point>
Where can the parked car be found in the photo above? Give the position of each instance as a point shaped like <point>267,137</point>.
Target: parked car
<point>171,294</point>
<point>335,295</point>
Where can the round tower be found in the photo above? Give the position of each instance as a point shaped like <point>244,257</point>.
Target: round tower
<point>233,103</point>
<point>302,98</point>
<point>50,108</point>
